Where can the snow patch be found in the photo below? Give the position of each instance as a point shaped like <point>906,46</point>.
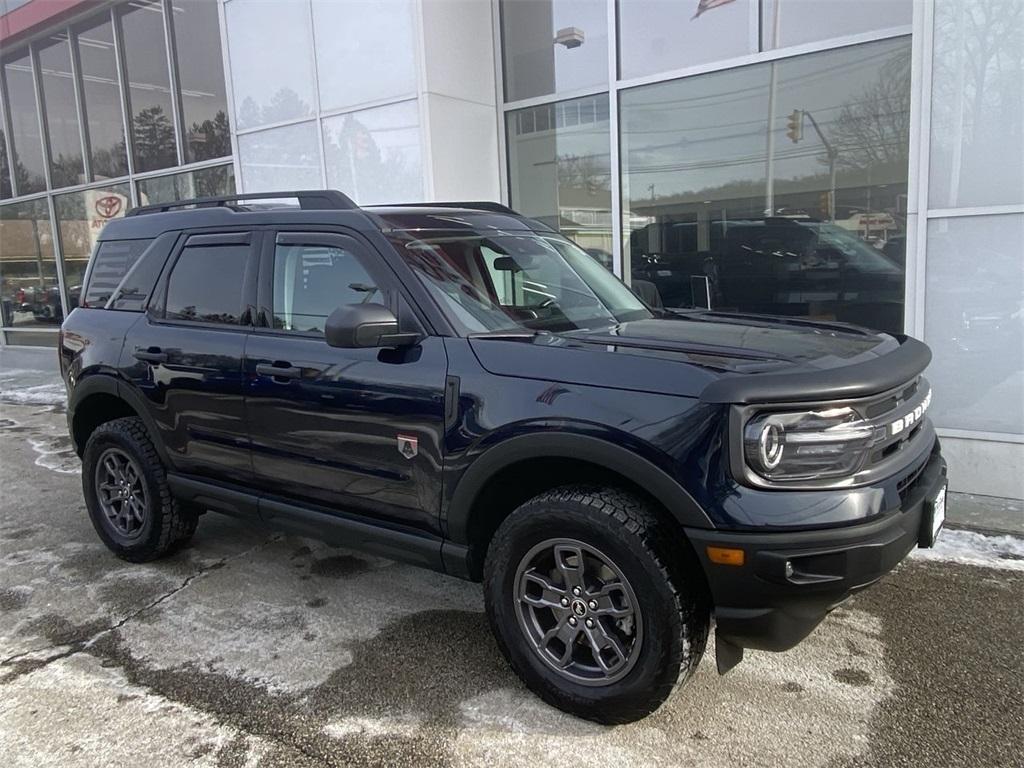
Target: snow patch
<point>14,373</point>
<point>41,394</point>
<point>56,455</point>
<point>970,548</point>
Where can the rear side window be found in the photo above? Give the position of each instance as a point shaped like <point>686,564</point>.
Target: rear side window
<point>110,264</point>
<point>205,284</point>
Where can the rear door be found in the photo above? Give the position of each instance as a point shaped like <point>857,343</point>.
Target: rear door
<point>353,430</point>
<point>185,354</point>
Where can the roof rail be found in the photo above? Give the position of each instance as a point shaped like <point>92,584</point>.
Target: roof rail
<point>477,205</point>
<point>310,199</point>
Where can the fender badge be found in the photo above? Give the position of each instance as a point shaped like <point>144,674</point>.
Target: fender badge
<point>408,446</point>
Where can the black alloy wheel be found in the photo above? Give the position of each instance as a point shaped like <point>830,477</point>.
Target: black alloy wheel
<point>578,611</point>
<point>120,492</point>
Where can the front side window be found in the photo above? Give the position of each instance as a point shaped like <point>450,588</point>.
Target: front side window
<point>206,284</point>
<point>311,281</point>
<point>508,281</point>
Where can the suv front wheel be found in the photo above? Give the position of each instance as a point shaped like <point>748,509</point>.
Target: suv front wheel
<point>596,606</point>
<point>127,495</point>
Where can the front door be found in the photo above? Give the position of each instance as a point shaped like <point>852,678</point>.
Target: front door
<point>357,431</point>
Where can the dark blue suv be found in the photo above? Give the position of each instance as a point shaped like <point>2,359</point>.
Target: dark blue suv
<point>457,386</point>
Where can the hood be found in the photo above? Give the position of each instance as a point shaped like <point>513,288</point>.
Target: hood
<point>692,354</point>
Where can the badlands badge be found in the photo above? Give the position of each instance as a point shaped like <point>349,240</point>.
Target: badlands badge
<point>408,446</point>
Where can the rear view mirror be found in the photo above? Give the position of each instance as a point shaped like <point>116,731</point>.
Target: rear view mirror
<point>516,263</point>
<point>365,325</point>
<point>507,264</point>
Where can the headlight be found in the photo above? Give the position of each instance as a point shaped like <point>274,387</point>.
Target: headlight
<point>804,445</point>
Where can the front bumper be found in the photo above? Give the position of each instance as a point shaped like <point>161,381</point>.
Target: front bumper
<point>765,604</point>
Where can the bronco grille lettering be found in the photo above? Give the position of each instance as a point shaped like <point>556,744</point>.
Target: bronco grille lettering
<point>911,418</point>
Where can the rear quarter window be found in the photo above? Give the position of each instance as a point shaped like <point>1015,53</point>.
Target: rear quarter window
<point>109,265</point>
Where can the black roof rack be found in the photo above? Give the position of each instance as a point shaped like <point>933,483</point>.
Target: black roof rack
<point>310,200</point>
<point>475,205</point>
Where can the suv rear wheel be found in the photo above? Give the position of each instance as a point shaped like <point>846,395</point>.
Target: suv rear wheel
<point>599,609</point>
<point>127,495</point>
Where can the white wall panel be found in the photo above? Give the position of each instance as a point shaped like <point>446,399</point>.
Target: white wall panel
<point>281,158</point>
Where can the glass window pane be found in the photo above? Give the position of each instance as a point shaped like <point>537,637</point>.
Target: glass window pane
<point>310,282</point>
<point>5,166</point>
<point>206,284</point>
<point>977,133</point>
<point>27,339</point>
<point>81,216</point>
<point>102,101</point>
<point>281,158</point>
<point>374,155</point>
<point>29,295</point>
<point>149,92</point>
<point>562,175</point>
<point>553,46</point>
<point>271,61</point>
<point>111,263</point>
<point>66,167</point>
<point>350,66</point>
<point>720,200</point>
<point>28,149</point>
<point>201,79</point>
<point>207,182</point>
<point>659,35</point>
<point>791,22</point>
<point>974,302</point>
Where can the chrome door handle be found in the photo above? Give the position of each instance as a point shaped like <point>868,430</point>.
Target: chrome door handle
<point>284,371</point>
<point>150,355</point>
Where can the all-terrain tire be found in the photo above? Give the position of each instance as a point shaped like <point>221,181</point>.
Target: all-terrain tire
<point>166,524</point>
<point>665,579</point>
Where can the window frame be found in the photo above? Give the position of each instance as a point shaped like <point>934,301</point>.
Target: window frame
<point>156,312</point>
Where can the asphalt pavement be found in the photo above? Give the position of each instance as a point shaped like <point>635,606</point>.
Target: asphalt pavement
<point>254,648</point>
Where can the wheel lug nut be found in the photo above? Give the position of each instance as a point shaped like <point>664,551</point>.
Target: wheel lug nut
<point>590,623</point>
<point>592,605</point>
<point>572,621</point>
<point>565,602</point>
<point>577,591</point>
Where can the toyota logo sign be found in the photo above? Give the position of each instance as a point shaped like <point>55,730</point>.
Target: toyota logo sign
<point>108,207</point>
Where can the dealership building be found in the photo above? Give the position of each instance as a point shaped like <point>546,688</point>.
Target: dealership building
<point>856,161</point>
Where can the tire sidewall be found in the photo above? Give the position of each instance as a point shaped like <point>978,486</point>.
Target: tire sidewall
<point>148,538</point>
<point>661,650</point>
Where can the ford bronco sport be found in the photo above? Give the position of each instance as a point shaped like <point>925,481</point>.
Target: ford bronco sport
<point>459,387</point>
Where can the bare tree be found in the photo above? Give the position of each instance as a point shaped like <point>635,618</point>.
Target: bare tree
<point>873,128</point>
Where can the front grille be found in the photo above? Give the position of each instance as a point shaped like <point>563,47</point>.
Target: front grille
<point>886,413</point>
<point>891,400</point>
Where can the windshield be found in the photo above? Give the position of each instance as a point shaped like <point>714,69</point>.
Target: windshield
<point>516,280</point>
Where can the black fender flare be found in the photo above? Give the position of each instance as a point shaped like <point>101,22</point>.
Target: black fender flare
<point>602,453</point>
<point>106,384</point>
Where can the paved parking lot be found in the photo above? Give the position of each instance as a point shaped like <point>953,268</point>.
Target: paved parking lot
<point>255,648</point>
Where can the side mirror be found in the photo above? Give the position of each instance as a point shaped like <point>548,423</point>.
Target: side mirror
<point>365,325</point>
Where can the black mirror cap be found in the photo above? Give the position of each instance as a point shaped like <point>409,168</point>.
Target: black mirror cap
<point>365,325</point>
